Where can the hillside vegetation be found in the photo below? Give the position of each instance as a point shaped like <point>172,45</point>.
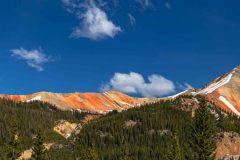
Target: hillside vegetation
<point>27,118</point>
<point>180,129</point>
<point>163,130</point>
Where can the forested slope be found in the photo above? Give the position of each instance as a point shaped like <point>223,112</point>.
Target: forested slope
<point>164,130</point>
<point>184,128</point>
<point>28,117</point>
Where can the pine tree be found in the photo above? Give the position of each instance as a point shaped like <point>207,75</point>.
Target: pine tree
<point>221,122</point>
<point>170,153</point>
<point>178,151</point>
<point>89,154</point>
<point>125,153</point>
<point>203,133</point>
<point>174,151</point>
<point>39,151</point>
<point>13,149</point>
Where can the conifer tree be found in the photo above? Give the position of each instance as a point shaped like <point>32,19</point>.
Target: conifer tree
<point>203,133</point>
<point>39,151</point>
<point>13,149</point>
<point>175,151</point>
<point>178,151</point>
<point>220,122</point>
<point>125,153</point>
<point>89,154</point>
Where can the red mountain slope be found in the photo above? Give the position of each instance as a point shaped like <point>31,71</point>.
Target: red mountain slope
<point>225,91</point>
<point>90,102</point>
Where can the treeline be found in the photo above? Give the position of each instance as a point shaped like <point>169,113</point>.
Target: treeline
<point>166,130</point>
<point>159,131</point>
<point>26,118</point>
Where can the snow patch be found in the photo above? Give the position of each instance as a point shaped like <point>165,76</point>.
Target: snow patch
<point>229,105</point>
<point>193,93</point>
<point>114,99</point>
<point>37,98</point>
<point>109,95</point>
<point>124,103</point>
<point>176,95</point>
<point>216,85</point>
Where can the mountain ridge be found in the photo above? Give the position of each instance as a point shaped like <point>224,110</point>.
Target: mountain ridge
<point>224,91</point>
<point>86,102</point>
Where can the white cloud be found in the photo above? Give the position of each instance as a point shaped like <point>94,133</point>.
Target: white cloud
<point>34,58</point>
<point>94,22</point>
<point>132,19</point>
<point>145,3</point>
<point>156,86</point>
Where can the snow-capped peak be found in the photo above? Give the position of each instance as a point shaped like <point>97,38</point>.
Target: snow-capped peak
<point>212,87</point>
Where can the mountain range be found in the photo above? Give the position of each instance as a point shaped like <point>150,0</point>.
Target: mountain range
<point>224,91</point>
<point>73,122</point>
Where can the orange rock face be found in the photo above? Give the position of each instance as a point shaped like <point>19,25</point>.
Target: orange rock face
<point>225,91</point>
<point>228,143</point>
<point>89,102</point>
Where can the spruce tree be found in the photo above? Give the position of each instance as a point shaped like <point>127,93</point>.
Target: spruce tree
<point>126,155</point>
<point>178,150</point>
<point>39,151</point>
<point>174,151</point>
<point>203,142</point>
<point>13,149</point>
<point>221,122</point>
<point>89,154</point>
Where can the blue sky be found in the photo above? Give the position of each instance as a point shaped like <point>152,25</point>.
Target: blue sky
<point>140,47</point>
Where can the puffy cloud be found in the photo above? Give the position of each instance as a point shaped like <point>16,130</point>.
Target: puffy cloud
<point>34,58</point>
<point>156,86</point>
<point>94,22</point>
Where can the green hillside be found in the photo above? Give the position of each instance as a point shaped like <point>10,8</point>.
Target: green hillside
<point>165,130</point>
<point>161,130</point>
<point>28,118</point>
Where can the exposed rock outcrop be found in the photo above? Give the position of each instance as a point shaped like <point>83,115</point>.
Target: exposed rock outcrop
<point>27,154</point>
<point>225,91</point>
<point>228,145</point>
